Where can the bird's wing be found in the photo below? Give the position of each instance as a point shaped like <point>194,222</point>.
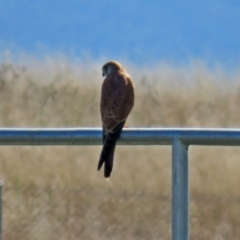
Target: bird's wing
<point>117,100</point>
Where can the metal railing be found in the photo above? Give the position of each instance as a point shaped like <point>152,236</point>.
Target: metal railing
<point>179,138</point>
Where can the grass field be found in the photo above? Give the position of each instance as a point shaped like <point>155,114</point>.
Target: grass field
<point>56,192</point>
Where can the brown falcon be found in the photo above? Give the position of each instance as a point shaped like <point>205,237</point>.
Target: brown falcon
<point>117,99</point>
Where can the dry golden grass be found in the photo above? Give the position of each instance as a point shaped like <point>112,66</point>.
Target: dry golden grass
<point>56,192</point>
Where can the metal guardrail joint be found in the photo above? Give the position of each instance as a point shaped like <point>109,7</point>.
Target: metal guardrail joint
<point>179,138</point>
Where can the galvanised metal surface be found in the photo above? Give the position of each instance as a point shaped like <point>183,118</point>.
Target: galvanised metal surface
<point>130,136</point>
<point>180,191</point>
<point>179,138</point>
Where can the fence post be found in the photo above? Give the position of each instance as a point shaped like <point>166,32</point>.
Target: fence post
<point>1,184</point>
<point>180,191</point>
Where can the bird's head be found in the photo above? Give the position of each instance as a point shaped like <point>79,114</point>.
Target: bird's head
<point>110,66</point>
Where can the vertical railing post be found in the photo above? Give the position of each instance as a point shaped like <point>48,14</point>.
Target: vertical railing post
<point>180,191</point>
<point>1,184</point>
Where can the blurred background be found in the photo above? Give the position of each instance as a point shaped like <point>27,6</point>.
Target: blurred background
<point>185,59</point>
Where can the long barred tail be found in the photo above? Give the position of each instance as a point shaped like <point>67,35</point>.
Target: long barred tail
<point>107,153</point>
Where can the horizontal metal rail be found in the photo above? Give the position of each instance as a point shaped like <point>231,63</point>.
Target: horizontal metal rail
<point>130,136</point>
<point>179,138</point>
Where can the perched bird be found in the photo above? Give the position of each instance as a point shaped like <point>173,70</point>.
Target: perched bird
<point>117,100</point>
